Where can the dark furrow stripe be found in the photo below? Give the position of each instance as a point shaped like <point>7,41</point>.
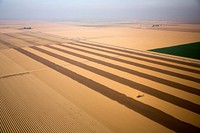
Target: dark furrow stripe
<point>142,54</point>
<point>4,44</point>
<point>50,40</point>
<point>132,52</point>
<point>146,89</point>
<point>31,42</point>
<point>137,64</point>
<point>135,57</point>
<point>140,74</point>
<point>152,61</point>
<point>141,108</point>
<point>9,45</point>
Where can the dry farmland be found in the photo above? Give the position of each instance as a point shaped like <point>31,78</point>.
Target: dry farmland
<point>63,77</point>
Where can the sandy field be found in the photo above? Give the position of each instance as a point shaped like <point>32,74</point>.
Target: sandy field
<point>137,35</point>
<point>97,77</point>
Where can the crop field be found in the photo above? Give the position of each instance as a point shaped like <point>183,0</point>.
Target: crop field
<point>190,50</point>
<point>49,83</point>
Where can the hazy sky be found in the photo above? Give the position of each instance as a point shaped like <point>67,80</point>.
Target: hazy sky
<point>187,10</point>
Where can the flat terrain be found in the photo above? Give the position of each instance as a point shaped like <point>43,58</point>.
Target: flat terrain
<point>190,50</point>
<point>73,77</point>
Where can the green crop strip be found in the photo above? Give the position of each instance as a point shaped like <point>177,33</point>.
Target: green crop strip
<point>191,50</point>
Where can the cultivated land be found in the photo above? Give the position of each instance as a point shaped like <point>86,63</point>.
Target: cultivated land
<point>190,50</point>
<point>83,77</point>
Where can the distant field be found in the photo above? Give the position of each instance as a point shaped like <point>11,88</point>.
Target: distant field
<point>191,50</point>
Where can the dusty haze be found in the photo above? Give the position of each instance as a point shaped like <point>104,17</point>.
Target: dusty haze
<point>179,10</point>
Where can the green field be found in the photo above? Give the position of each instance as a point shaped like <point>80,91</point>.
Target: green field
<point>191,50</point>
